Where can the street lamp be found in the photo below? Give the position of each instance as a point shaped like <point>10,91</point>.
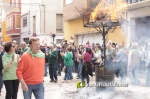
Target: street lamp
<point>53,36</point>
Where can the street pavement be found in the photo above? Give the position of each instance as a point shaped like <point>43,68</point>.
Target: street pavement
<point>68,90</point>
<point>53,90</point>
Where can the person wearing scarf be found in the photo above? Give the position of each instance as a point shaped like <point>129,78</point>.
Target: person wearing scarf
<point>134,63</point>
<point>52,59</point>
<point>24,47</point>
<point>30,70</point>
<point>10,62</point>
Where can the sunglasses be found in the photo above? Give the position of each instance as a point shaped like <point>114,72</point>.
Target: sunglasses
<point>13,46</point>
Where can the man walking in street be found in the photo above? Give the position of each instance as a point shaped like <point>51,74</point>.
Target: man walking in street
<point>53,55</point>
<point>30,70</point>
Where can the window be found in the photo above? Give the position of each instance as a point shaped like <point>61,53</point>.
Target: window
<point>68,2</point>
<point>59,23</point>
<point>26,40</point>
<point>34,24</point>
<point>11,22</point>
<point>7,23</point>
<point>17,21</point>
<point>17,3</point>
<point>25,22</point>
<point>58,41</point>
<point>94,3</point>
<point>13,3</point>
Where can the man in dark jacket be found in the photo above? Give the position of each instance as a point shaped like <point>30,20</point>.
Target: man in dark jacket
<point>53,55</point>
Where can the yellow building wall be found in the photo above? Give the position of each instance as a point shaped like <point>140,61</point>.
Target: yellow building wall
<point>74,27</point>
<point>117,36</point>
<point>5,37</point>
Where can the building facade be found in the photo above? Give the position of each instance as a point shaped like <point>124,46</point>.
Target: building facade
<point>139,17</point>
<point>73,24</point>
<point>25,21</point>
<point>42,18</point>
<point>12,11</point>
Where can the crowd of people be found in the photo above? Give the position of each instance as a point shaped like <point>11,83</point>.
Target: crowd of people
<point>29,63</point>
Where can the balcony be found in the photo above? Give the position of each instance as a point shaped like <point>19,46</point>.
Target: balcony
<point>10,7</point>
<point>138,4</point>
<point>133,1</point>
<point>71,11</point>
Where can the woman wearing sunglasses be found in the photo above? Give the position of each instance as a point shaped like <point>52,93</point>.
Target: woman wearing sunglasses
<point>10,62</point>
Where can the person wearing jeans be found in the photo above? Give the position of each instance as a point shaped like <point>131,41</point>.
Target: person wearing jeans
<point>60,60</point>
<point>133,64</point>
<point>68,75</point>
<point>45,69</point>
<point>30,70</point>
<point>68,62</point>
<point>37,89</point>
<point>10,62</point>
<point>46,62</point>
<point>120,63</point>
<point>86,68</point>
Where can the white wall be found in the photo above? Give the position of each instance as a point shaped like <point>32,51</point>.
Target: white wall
<point>25,12</point>
<point>25,6</point>
<point>51,8</point>
<point>45,38</point>
<point>92,38</point>
<point>36,9</point>
<point>136,11</point>
<point>25,31</point>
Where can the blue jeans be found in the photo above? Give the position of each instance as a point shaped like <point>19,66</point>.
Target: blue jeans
<point>45,72</point>
<point>1,81</point>
<point>68,75</point>
<point>38,91</point>
<point>133,73</point>
<point>79,69</point>
<point>120,69</point>
<point>59,68</point>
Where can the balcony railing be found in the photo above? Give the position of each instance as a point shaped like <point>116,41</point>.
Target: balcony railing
<point>133,1</point>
